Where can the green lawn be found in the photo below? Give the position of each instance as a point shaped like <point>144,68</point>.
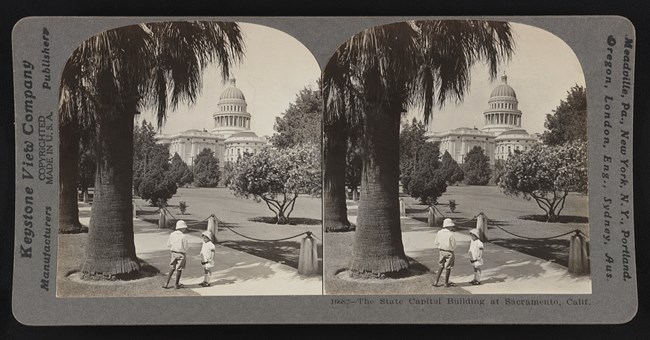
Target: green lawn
<point>511,213</point>
<point>244,216</point>
<point>248,218</point>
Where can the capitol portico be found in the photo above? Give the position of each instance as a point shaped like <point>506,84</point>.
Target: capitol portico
<point>230,136</point>
<point>500,135</point>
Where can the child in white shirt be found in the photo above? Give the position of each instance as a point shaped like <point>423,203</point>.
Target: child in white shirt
<point>207,257</point>
<point>476,256</point>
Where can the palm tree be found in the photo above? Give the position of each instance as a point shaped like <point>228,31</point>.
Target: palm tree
<point>111,77</point>
<point>372,79</point>
<point>68,176</point>
<point>334,155</point>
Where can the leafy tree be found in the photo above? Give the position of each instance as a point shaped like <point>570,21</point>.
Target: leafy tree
<point>227,173</point>
<point>477,167</point>
<point>156,183</point>
<point>452,172</point>
<point>144,139</point>
<point>428,180</point>
<point>499,169</point>
<point>411,141</point>
<point>569,119</point>
<point>547,174</point>
<point>301,122</point>
<point>144,143</point>
<point>180,172</point>
<point>106,81</point>
<point>152,179</point>
<point>277,177</point>
<point>371,79</point>
<point>206,169</point>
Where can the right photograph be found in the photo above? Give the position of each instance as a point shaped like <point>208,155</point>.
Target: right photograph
<point>455,162</point>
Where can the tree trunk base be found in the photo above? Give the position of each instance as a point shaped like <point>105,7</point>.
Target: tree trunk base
<point>339,227</point>
<point>72,228</point>
<point>110,267</point>
<point>386,266</point>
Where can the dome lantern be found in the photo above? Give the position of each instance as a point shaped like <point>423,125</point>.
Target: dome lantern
<point>232,92</point>
<point>503,90</point>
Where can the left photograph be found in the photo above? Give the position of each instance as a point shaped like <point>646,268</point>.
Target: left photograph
<point>190,163</point>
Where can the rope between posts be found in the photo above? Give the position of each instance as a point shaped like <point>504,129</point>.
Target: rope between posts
<point>316,237</point>
<point>578,231</point>
<point>308,233</point>
<point>538,238</point>
<point>137,207</point>
<point>188,224</point>
<point>439,212</point>
<point>220,223</point>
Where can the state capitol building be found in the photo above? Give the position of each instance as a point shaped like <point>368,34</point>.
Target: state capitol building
<point>500,135</point>
<point>230,136</point>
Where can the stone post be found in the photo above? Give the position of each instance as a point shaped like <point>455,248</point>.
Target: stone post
<point>162,221</point>
<point>135,210</point>
<point>308,260</point>
<point>482,227</point>
<point>578,256</point>
<point>432,219</point>
<point>402,209</point>
<point>212,228</point>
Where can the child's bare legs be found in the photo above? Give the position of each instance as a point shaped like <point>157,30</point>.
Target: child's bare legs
<point>206,276</point>
<point>477,274</point>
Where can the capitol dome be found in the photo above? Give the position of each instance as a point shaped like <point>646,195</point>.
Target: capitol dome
<point>232,92</point>
<point>503,90</point>
<point>231,116</point>
<point>503,112</point>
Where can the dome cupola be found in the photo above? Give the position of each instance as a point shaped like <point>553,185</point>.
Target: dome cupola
<point>231,115</point>
<point>232,92</point>
<point>503,112</point>
<point>503,90</point>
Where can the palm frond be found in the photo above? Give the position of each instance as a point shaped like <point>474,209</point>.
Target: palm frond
<point>411,64</point>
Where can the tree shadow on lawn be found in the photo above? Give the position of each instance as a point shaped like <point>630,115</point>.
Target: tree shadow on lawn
<point>555,250</point>
<point>563,219</point>
<point>147,212</point>
<point>463,223</point>
<point>498,271</point>
<point>292,220</point>
<point>171,223</point>
<point>285,252</point>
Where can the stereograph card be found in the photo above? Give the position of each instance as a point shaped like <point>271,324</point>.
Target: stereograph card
<point>236,170</point>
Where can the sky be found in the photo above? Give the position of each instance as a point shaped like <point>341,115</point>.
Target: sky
<point>541,71</point>
<point>275,68</point>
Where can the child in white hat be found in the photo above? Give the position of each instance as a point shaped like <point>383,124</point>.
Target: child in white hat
<point>207,257</point>
<point>177,243</point>
<point>476,256</point>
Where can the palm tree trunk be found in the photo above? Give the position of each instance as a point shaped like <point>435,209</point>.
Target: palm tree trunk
<point>334,209</point>
<point>68,174</point>
<point>378,247</point>
<point>111,249</point>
